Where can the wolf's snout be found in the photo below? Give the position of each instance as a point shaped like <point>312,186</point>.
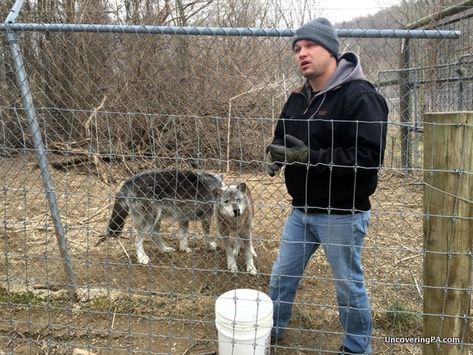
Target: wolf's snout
<point>236,212</point>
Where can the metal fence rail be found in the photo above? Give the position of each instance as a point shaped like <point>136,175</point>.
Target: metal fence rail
<point>220,31</point>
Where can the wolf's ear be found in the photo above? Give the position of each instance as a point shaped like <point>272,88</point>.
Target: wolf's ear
<point>217,191</point>
<point>241,187</point>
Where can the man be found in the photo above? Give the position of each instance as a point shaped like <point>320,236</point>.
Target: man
<point>331,138</point>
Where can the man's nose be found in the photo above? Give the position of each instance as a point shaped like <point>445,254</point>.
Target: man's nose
<point>302,53</point>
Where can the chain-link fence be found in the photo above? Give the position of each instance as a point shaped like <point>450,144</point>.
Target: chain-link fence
<point>112,100</point>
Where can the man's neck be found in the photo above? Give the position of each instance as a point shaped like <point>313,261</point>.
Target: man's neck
<point>319,83</point>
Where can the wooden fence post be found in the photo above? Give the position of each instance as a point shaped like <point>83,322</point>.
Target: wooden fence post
<point>448,230</point>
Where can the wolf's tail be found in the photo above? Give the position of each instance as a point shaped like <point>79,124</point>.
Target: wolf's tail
<point>117,219</point>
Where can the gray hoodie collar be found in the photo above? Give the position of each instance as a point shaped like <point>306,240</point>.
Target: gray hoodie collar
<point>348,69</point>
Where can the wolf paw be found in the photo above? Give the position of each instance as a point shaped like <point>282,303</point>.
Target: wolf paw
<point>233,268</point>
<point>212,246</point>
<point>252,270</point>
<point>143,259</point>
<point>168,250</point>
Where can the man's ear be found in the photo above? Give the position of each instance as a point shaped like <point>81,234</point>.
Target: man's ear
<point>241,187</point>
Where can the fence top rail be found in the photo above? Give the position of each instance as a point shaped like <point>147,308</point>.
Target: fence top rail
<point>224,31</point>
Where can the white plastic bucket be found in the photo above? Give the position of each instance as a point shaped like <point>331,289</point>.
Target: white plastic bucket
<point>244,319</point>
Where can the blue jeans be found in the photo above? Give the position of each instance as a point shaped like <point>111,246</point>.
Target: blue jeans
<point>341,237</point>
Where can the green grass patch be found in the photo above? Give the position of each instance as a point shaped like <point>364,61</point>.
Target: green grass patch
<point>21,298</point>
<point>401,317</point>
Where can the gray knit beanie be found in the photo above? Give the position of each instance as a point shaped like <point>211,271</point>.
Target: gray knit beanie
<point>319,31</point>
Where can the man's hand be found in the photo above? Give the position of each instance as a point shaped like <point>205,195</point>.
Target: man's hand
<point>270,166</point>
<point>293,151</point>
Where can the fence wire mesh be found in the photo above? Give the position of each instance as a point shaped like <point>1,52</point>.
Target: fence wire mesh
<point>111,105</point>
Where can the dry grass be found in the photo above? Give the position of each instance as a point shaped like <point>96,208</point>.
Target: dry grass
<point>168,305</point>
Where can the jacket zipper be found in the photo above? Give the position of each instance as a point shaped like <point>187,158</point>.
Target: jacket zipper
<point>318,108</point>
<point>308,104</point>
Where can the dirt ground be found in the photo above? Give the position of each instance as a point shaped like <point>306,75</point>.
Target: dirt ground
<point>167,307</point>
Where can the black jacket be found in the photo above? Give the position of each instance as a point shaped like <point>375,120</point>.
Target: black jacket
<point>344,126</point>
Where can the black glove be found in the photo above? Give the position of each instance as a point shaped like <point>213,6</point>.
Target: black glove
<point>270,166</point>
<point>293,151</point>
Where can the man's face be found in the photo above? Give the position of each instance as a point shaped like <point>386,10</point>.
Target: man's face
<point>311,58</point>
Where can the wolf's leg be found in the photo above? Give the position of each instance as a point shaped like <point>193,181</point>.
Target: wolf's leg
<point>140,252</point>
<point>229,251</point>
<point>253,252</point>
<point>206,230</point>
<point>140,224</point>
<point>236,247</point>
<point>156,236</point>
<point>141,229</point>
<point>249,253</point>
<point>183,236</point>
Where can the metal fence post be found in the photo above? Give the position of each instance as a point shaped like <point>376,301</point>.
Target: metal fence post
<point>405,107</point>
<point>41,154</point>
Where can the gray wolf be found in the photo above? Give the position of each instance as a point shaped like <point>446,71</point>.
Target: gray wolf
<point>234,218</point>
<point>151,196</point>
